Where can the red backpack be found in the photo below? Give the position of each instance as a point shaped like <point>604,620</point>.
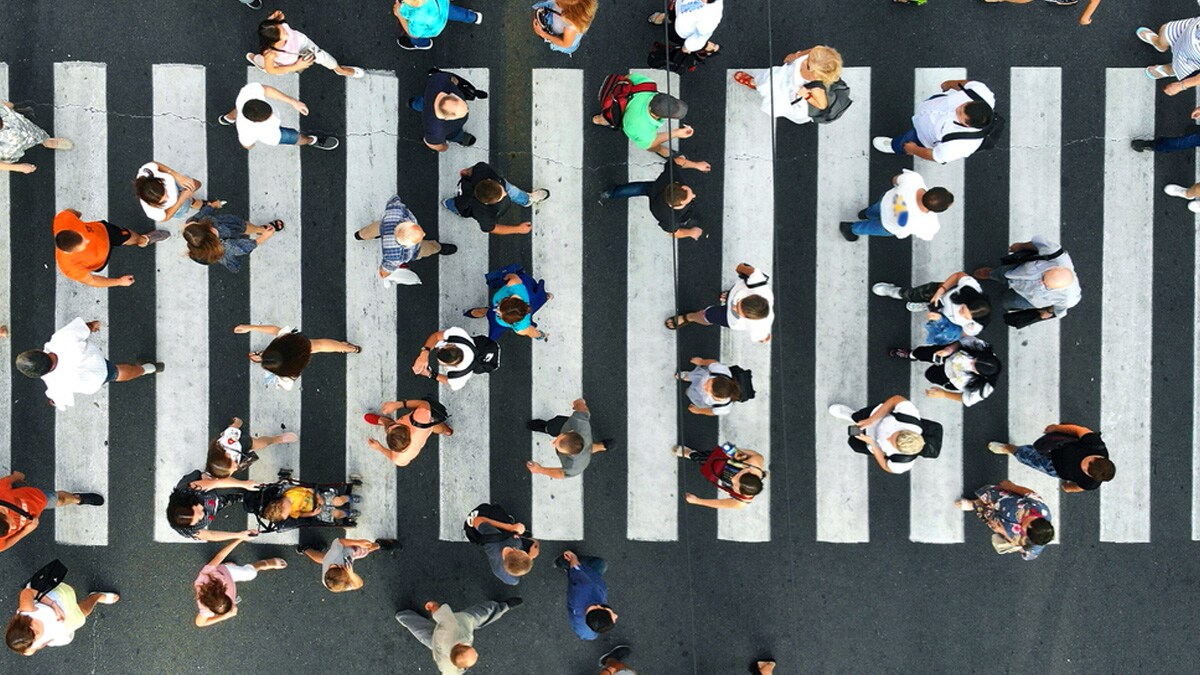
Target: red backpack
<point>615,94</point>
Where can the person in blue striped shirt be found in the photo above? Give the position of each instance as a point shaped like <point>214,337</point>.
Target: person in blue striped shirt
<point>402,239</point>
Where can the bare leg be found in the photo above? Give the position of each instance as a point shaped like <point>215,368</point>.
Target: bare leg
<point>340,500</point>
<point>1160,41</point>
<point>1194,192</point>
<point>58,143</point>
<point>443,429</point>
<point>314,555</point>
<point>89,603</point>
<point>698,317</point>
<point>128,371</point>
<point>306,139</point>
<point>261,442</point>
<point>136,239</point>
<point>270,564</point>
<point>232,114</point>
<point>370,231</point>
<point>66,498</point>
<point>326,345</point>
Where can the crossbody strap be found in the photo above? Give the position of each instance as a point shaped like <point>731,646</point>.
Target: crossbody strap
<point>9,505</point>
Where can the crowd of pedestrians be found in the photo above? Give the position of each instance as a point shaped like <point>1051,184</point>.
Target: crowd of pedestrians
<point>1033,281</point>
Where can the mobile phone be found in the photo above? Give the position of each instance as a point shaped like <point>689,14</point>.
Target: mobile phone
<point>853,430</point>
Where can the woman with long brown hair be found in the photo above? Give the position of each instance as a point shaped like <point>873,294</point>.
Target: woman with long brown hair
<point>51,620</point>
<point>562,23</point>
<point>223,238</point>
<point>283,49</point>
<point>216,586</point>
<point>289,353</point>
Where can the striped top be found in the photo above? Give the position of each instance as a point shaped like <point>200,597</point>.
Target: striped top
<point>1184,36</point>
<point>395,255</point>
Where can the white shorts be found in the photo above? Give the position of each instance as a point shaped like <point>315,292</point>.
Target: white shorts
<point>241,573</point>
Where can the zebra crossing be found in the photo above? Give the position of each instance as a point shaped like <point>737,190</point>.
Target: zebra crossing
<point>561,107</point>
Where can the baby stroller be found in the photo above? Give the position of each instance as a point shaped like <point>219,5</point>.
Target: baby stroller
<point>256,503</point>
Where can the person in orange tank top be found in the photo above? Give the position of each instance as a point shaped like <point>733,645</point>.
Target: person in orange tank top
<point>83,248</point>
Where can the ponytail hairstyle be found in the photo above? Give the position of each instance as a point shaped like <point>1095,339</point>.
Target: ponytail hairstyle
<point>976,302</point>
<point>204,246</point>
<point>150,188</point>
<point>269,32</point>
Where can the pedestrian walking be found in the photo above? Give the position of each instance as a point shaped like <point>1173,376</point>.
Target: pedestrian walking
<point>18,134</point>
<point>1017,516</point>
<point>257,122</point>
<point>1182,39</point>
<point>444,110</point>
<point>423,20</point>
<point>68,364</point>
<point>458,355</point>
<point>49,617</point>
<point>613,661</point>
<point>893,433</point>
<point>965,370</point>
<point>81,249</point>
<point>748,306</point>
<point>509,549</point>
<point>798,87</point>
<point>562,24</point>
<point>1041,281</point>
<point>225,455</point>
<point>1074,454</point>
<point>516,297</point>
<point>165,194</point>
<point>714,387</point>
<point>407,433</point>
<point>450,635</point>
<point>738,472</point>
<point>669,198</point>
<point>572,442</point>
<point>949,126</point>
<point>486,197</point>
<point>289,353</point>
<point>587,595</point>
<point>283,49</point>
<point>21,507</point>
<point>908,209</point>
<point>402,239</point>
<point>1168,144</point>
<point>223,238</point>
<point>337,562</point>
<point>691,24</point>
<point>215,588</point>
<point>954,307</point>
<point>194,504</point>
<point>633,104</point>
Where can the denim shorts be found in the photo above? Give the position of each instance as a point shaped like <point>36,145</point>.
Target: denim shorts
<point>1030,457</point>
<point>288,136</point>
<point>717,315</point>
<point>112,371</point>
<point>51,498</point>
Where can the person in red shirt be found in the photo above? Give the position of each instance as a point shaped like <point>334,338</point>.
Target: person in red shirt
<point>21,507</point>
<point>83,248</point>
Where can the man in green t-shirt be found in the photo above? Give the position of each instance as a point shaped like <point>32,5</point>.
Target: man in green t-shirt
<point>645,114</point>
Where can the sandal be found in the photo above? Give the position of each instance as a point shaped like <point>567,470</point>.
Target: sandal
<point>1157,72</point>
<point>470,313</point>
<point>676,322</point>
<point>275,564</point>
<point>743,78</point>
<point>276,225</point>
<point>1148,36</point>
<point>357,349</point>
<point>660,16</point>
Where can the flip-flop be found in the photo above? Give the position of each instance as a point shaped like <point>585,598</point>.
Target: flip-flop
<point>1148,36</point>
<point>276,564</point>
<point>1157,72</point>
<point>276,225</point>
<point>676,322</point>
<point>743,78</point>
<point>651,19</point>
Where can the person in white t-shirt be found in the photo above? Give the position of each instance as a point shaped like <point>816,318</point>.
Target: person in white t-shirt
<point>257,122</point>
<point>959,298</point>
<point>166,194</point>
<point>908,209</point>
<point>225,455</point>
<point>748,306</point>
<point>70,365</point>
<point>52,620</point>
<point>692,24</point>
<point>890,432</point>
<point>457,355</point>
<point>947,126</point>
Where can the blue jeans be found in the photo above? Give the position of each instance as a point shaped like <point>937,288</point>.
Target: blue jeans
<point>637,189</point>
<point>418,104</point>
<point>899,141</point>
<point>873,225</point>
<point>1030,457</point>
<point>1010,300</point>
<point>462,15</point>
<point>1177,143</point>
<point>288,136</point>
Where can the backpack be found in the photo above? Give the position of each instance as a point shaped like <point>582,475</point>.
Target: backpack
<point>614,97</point>
<point>487,355</point>
<point>494,512</point>
<point>470,93</point>
<point>673,57</point>
<point>838,101</point>
<point>437,414</point>
<point>745,380</point>
<point>990,134</point>
<point>932,433</point>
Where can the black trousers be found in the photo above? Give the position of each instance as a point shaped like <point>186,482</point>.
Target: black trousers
<point>935,373</point>
<point>553,426</point>
<point>922,293</point>
<point>857,444</point>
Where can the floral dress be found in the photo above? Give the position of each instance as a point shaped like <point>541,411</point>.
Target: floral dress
<point>997,506</point>
<point>18,135</point>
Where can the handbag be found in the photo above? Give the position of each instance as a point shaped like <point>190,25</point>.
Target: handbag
<point>1004,546</point>
<point>47,579</point>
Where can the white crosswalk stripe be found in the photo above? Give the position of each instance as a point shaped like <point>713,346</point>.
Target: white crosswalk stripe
<point>560,131</point>
<point>6,354</point>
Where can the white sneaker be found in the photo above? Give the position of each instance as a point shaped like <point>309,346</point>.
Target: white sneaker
<point>885,290</point>
<point>883,144</point>
<point>998,448</point>
<point>358,73</point>
<point>478,17</point>
<point>917,307</point>
<point>1194,206</point>
<point>842,412</point>
<point>1173,190</point>
<point>539,195</point>
<point>964,504</point>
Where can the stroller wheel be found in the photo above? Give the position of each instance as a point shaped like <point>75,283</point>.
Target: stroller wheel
<point>349,522</point>
<point>285,473</point>
<point>356,481</point>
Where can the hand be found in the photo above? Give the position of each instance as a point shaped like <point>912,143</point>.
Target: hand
<point>723,296</point>
<point>690,498</point>
<point>533,467</point>
<point>579,405</point>
<point>932,316</point>
<point>524,228</point>
<point>51,402</point>
<point>246,534</point>
<point>376,445</point>
<point>25,167</point>
<point>18,476</point>
<point>684,131</point>
<point>300,107</point>
<point>1173,89</point>
<point>767,339</point>
<point>421,364</point>
<point>1196,114</point>
<point>241,329</point>
<point>696,361</point>
<point>125,280</point>
<point>277,14</point>
<point>865,422</point>
<point>255,357</point>
<point>519,528</point>
<point>1046,313</point>
<point>196,485</point>
<point>94,326</point>
<point>571,558</point>
<point>911,148</point>
<point>236,423</point>
<point>383,274</point>
<point>537,26</point>
<point>391,407</point>
<point>865,439</point>
<point>432,606</point>
<point>703,167</point>
<point>218,203</point>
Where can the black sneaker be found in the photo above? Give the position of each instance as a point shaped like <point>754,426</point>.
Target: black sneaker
<point>900,353</point>
<point>536,425</point>
<point>388,544</point>
<point>304,548</point>
<point>847,230</point>
<point>560,563</point>
<point>402,44</point>
<point>448,249</point>
<point>90,499</point>
<point>467,140</point>
<point>326,143</point>
<point>618,653</point>
<point>1141,145</point>
<point>862,215</point>
<point>513,602</point>
<point>610,444</point>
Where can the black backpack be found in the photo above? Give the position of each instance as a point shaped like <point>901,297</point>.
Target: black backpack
<point>838,100</point>
<point>494,512</point>
<point>990,134</point>
<point>487,355</point>
<point>932,433</point>
<point>745,380</point>
<point>437,414</point>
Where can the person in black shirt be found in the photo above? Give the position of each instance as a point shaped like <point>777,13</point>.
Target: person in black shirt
<point>670,200</point>
<point>444,110</point>
<point>1075,455</point>
<point>194,504</point>
<point>486,197</point>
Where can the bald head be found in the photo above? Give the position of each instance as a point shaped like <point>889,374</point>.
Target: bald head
<point>463,656</point>
<point>451,107</point>
<point>1058,277</point>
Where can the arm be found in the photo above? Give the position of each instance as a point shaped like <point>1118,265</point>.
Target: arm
<point>522,228</point>
<point>255,328</point>
<point>565,40</point>
<point>206,621</point>
<point>25,601</point>
<point>955,84</point>
<point>950,282</point>
<point>555,474</point>
<point>750,457</point>
<point>440,147</point>
<point>219,535</point>
<point>224,553</point>
<point>398,458</point>
<point>684,163</point>
<point>714,503</point>
<point>217,483</point>
<point>274,93</point>
<point>701,411</point>
<point>97,281</point>
<point>421,363</point>
<point>795,55</point>
<point>1070,429</point>
<point>407,404</point>
<point>24,532</point>
<point>580,405</point>
<point>1177,87</point>
<point>885,409</point>
<point>1068,486</point>
<point>531,332</point>
<point>1014,488</point>
<point>880,458</point>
